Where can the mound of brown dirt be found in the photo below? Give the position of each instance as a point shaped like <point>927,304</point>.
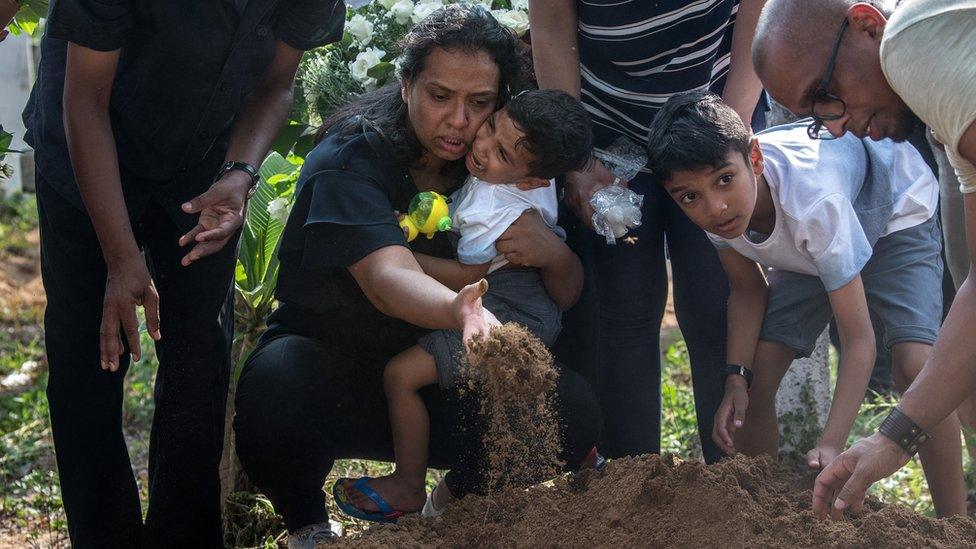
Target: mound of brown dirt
<point>661,502</point>
<point>512,373</point>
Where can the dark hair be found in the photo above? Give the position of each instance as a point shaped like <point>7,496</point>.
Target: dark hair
<point>557,131</point>
<point>464,27</point>
<point>694,131</point>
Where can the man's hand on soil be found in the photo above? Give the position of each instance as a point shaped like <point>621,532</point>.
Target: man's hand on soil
<point>844,482</point>
<point>731,413</point>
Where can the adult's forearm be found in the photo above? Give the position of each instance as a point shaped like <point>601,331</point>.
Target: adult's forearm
<point>414,297</point>
<point>742,87</point>
<point>949,375</point>
<point>853,373</point>
<point>555,55</point>
<point>453,274</point>
<point>91,146</point>
<point>563,279</point>
<point>259,121</point>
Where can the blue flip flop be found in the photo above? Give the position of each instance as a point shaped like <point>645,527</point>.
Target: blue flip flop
<point>385,514</point>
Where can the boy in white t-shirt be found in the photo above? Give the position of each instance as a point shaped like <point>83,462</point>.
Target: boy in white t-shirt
<point>843,228</point>
<point>538,135</point>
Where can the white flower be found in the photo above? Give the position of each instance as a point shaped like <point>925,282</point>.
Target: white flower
<point>366,60</point>
<point>483,3</point>
<point>386,3</point>
<point>360,28</point>
<point>522,5</point>
<point>518,21</point>
<point>15,380</point>
<point>278,209</point>
<point>423,9</point>
<point>402,10</point>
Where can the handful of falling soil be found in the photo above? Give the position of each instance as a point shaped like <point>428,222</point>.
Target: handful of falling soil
<point>512,374</point>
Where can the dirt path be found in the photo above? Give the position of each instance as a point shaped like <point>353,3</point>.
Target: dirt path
<point>21,291</point>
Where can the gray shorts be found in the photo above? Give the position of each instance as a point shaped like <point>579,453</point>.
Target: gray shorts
<point>514,295</point>
<point>902,283</point>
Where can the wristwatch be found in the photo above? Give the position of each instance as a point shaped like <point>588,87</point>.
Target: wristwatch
<point>903,431</point>
<point>230,166</point>
<point>735,369</point>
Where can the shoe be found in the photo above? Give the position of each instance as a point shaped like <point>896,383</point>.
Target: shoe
<point>429,510</point>
<point>312,535</point>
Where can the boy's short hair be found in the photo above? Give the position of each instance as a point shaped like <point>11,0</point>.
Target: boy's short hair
<point>557,131</point>
<point>694,131</point>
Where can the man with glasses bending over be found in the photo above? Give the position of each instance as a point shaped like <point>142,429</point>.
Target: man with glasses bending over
<point>885,73</point>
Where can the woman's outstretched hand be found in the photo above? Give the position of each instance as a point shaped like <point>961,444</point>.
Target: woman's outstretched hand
<point>473,318</point>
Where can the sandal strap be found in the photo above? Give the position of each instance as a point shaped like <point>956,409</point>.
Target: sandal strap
<point>365,490</point>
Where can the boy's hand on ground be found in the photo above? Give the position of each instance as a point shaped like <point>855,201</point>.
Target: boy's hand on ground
<point>472,317</point>
<point>822,455</point>
<point>731,413</point>
<point>221,211</point>
<point>580,186</point>
<point>127,286</point>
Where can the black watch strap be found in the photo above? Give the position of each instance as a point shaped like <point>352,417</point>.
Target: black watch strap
<point>735,369</point>
<point>903,431</point>
<point>250,170</point>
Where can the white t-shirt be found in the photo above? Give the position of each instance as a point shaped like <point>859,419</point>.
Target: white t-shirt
<point>928,55</point>
<point>833,200</point>
<point>482,211</point>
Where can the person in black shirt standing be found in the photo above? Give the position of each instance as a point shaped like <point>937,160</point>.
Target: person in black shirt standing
<point>157,97</point>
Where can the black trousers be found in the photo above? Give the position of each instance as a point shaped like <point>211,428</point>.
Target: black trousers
<point>614,333</point>
<point>98,488</point>
<point>303,403</point>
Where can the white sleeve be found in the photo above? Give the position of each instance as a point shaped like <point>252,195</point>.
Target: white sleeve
<point>924,64</point>
<point>831,234</point>
<point>479,231</point>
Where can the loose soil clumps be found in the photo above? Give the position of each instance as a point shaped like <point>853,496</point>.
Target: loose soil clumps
<point>652,501</point>
<point>512,373</point>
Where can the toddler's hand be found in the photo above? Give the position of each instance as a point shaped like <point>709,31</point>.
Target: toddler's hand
<point>731,413</point>
<point>822,455</point>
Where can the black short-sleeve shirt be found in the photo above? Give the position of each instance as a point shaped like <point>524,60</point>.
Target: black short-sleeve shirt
<point>184,70</point>
<point>346,199</point>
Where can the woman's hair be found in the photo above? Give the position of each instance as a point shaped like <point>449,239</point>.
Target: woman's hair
<point>457,27</point>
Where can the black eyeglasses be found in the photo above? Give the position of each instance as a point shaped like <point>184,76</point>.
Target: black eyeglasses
<point>827,106</point>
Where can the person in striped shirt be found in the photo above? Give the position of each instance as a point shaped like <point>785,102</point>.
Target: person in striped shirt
<point>624,59</point>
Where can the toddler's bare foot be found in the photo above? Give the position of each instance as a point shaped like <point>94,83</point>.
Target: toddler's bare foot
<point>400,494</point>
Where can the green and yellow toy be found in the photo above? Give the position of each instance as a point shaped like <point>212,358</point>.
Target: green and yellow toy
<point>427,214</point>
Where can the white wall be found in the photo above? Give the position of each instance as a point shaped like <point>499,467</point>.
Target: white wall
<point>16,78</point>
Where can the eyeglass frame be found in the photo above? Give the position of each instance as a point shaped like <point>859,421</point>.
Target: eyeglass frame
<point>821,93</point>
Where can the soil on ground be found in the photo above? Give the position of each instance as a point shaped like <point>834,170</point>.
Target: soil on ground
<point>652,501</point>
